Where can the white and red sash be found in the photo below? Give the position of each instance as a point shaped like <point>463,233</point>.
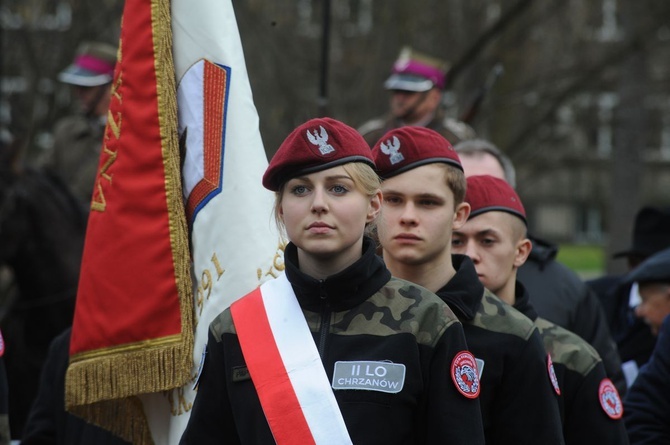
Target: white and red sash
<point>286,368</point>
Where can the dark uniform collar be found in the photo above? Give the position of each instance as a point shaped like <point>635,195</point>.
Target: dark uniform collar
<point>464,292</point>
<point>343,290</point>
<point>522,301</point>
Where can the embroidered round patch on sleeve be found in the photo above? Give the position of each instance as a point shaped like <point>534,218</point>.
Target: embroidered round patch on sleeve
<point>610,400</point>
<point>552,375</point>
<point>464,374</point>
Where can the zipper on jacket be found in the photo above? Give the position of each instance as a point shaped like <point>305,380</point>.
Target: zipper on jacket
<point>325,321</point>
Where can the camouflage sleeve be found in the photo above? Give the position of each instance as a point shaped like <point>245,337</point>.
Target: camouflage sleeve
<point>586,418</point>
<point>211,420</point>
<point>449,415</point>
<point>526,409</point>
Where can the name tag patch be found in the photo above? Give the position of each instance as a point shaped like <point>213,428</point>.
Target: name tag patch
<point>369,376</point>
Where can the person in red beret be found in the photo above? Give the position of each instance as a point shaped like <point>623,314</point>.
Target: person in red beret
<point>334,350</point>
<point>423,188</point>
<point>494,237</point>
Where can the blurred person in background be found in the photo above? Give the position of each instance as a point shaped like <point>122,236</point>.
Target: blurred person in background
<point>78,138</point>
<point>620,297</point>
<point>416,86</point>
<point>647,404</point>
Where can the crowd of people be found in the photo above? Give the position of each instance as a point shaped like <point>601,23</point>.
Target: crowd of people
<point>415,306</point>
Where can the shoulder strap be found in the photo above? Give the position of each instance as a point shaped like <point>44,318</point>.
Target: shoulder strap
<point>285,367</point>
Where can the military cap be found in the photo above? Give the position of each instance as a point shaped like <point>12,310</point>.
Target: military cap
<point>93,65</point>
<point>486,193</point>
<point>316,145</point>
<point>405,148</point>
<point>417,72</point>
<point>651,232</point>
<point>655,269</point>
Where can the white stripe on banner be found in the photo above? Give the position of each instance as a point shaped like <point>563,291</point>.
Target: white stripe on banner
<point>303,363</point>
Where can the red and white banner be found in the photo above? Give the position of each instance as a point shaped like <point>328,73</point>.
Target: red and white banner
<point>133,323</point>
<point>235,245</point>
<point>141,323</point>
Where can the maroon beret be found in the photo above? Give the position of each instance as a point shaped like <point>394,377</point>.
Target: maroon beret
<point>316,145</point>
<point>404,148</point>
<point>487,193</point>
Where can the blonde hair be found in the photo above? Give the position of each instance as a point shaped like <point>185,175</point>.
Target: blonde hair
<point>364,177</point>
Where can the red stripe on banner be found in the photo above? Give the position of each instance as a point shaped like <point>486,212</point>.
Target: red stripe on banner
<point>275,391</point>
<point>127,290</point>
<point>214,95</point>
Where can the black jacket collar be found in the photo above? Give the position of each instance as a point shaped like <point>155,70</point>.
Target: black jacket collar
<point>522,301</point>
<point>341,291</point>
<point>464,292</point>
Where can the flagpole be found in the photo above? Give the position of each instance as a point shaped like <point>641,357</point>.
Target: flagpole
<point>322,100</point>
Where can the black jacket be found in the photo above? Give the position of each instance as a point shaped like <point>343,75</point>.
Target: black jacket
<point>517,401</point>
<point>560,296</point>
<point>359,314</point>
<point>632,335</point>
<point>579,376</point>
<point>48,422</point>
<point>647,404</point>
<point>4,391</point>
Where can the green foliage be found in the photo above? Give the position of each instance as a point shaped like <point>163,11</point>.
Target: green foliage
<point>583,259</point>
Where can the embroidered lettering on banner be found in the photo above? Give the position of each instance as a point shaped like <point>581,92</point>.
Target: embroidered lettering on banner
<point>277,264</point>
<point>370,376</point>
<point>110,145</point>
<point>177,401</point>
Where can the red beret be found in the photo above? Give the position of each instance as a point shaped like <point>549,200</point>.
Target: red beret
<point>405,148</point>
<point>316,145</point>
<point>487,193</point>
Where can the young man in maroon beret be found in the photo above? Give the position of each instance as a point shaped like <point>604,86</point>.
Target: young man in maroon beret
<point>494,237</point>
<point>423,190</point>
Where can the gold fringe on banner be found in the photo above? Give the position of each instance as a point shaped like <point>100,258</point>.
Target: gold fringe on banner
<point>159,364</point>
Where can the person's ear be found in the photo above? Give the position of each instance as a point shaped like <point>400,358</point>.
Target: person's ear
<point>374,207</point>
<point>523,248</point>
<point>461,215</point>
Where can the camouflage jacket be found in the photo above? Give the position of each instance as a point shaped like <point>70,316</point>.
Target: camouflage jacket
<point>590,406</point>
<point>453,130</point>
<point>359,314</point>
<point>517,401</point>
<point>76,154</point>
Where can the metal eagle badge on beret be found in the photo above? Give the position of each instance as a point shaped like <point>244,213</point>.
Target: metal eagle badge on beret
<point>320,141</point>
<point>464,374</point>
<point>392,149</point>
<point>552,375</point>
<point>609,399</point>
